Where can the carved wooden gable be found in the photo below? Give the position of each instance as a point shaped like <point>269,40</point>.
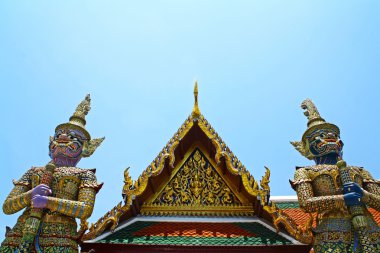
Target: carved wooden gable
<point>196,187</point>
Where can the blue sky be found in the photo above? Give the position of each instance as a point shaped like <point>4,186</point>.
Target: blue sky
<point>255,63</point>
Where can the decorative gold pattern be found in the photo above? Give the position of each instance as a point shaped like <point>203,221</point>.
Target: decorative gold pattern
<point>83,108</point>
<point>197,182</point>
<point>196,189</point>
<point>90,146</point>
<point>195,210</point>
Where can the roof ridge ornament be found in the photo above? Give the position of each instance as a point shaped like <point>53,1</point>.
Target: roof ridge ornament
<point>196,112</point>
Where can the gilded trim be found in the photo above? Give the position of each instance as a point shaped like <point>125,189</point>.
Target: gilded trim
<point>194,210</point>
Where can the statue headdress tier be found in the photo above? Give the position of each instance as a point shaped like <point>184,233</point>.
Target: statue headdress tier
<point>316,142</point>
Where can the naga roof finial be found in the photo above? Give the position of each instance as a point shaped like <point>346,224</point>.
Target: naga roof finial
<point>196,112</point>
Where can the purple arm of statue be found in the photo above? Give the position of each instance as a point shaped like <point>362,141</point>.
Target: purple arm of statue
<point>21,195</point>
<point>39,193</point>
<point>42,190</point>
<point>39,201</point>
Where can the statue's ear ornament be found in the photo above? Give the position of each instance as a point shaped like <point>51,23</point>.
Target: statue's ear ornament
<point>90,146</point>
<point>301,147</point>
<point>298,145</point>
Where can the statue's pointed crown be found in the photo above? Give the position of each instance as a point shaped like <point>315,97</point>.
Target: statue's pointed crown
<point>78,119</point>
<point>315,121</point>
<point>312,114</point>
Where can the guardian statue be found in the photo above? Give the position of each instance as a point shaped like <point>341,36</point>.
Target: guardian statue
<point>340,195</point>
<point>52,197</point>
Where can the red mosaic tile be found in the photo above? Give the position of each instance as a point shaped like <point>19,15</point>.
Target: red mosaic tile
<point>194,229</point>
<point>375,214</point>
<point>300,217</point>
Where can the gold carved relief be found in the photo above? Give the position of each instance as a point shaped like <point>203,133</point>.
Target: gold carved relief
<point>197,183</point>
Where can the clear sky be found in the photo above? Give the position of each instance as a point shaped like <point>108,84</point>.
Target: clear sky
<point>255,63</point>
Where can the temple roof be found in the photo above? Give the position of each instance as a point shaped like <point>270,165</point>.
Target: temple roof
<point>195,137</point>
<point>196,175</point>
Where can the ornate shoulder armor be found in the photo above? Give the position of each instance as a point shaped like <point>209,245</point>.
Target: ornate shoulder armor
<point>367,177</point>
<point>300,176</point>
<point>88,180</point>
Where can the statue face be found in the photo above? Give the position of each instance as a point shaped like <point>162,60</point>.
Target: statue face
<point>66,147</point>
<point>325,142</point>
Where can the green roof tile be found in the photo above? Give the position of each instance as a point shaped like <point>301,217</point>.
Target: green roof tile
<point>142,232</point>
<point>287,205</point>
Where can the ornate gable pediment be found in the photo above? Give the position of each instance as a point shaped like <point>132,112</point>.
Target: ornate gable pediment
<point>196,187</point>
<point>184,180</point>
<point>197,182</point>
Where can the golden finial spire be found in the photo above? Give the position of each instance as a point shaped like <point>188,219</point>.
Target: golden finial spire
<point>196,112</point>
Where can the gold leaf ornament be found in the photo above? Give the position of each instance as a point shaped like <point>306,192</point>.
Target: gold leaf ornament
<point>90,146</point>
